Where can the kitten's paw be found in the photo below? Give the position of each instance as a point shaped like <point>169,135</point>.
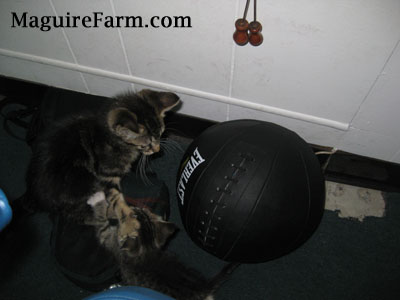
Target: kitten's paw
<point>96,198</point>
<point>128,228</point>
<point>128,225</point>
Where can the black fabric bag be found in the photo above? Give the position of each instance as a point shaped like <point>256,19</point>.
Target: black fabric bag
<point>75,249</point>
<point>77,255</point>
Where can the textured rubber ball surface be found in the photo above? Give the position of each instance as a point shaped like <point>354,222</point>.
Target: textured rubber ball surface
<point>250,191</point>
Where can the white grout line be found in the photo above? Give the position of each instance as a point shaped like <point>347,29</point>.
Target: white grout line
<point>233,55</point>
<point>70,48</point>
<point>375,81</point>
<point>232,70</point>
<point>178,89</point>
<point>122,45</point>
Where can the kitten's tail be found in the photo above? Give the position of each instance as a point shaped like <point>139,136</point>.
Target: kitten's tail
<point>215,282</point>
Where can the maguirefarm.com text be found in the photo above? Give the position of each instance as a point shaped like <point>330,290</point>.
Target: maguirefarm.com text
<point>97,20</point>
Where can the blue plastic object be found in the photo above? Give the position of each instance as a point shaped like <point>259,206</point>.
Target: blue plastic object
<point>129,293</point>
<point>5,211</point>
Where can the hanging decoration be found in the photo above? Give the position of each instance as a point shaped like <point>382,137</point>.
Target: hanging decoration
<point>246,32</point>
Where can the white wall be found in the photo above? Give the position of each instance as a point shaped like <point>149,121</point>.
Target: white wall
<point>329,70</point>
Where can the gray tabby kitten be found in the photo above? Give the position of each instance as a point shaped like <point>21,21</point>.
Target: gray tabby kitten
<point>88,154</point>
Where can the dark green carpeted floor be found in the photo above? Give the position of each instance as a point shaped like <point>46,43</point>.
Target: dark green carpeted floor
<point>344,259</point>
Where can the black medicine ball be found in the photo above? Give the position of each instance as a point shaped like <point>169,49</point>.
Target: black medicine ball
<point>250,191</point>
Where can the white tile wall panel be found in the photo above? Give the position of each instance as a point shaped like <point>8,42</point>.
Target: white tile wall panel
<point>203,108</point>
<point>311,133</point>
<point>93,47</point>
<point>106,86</point>
<point>320,61</point>
<point>370,144</point>
<point>380,111</point>
<point>51,44</point>
<point>41,73</point>
<point>318,57</point>
<point>396,158</point>
<point>197,107</point>
<point>197,57</point>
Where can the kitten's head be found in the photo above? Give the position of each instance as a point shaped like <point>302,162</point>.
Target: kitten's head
<point>153,233</point>
<point>138,118</point>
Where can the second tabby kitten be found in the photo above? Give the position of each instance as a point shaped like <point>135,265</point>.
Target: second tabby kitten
<point>141,260</point>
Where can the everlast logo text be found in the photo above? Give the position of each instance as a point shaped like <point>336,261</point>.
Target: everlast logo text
<point>193,162</point>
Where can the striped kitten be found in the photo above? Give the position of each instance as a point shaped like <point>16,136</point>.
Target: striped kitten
<point>141,259</point>
<point>89,153</point>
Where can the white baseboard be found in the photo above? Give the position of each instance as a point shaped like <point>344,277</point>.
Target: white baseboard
<point>177,89</point>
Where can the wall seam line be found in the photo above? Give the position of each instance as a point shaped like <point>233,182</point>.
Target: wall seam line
<point>232,70</point>
<point>121,40</point>
<point>375,81</point>
<point>70,48</point>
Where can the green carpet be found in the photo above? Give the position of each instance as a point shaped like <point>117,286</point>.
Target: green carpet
<point>344,259</point>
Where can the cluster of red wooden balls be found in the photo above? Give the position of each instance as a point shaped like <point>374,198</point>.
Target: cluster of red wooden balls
<point>246,32</point>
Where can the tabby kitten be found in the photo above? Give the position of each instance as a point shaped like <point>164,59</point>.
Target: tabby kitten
<point>89,153</point>
<point>141,260</point>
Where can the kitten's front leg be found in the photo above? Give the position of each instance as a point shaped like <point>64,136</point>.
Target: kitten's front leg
<point>128,225</point>
<point>98,203</point>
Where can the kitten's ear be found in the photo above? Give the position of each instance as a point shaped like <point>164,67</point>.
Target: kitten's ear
<point>164,230</point>
<point>124,123</point>
<point>163,101</point>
